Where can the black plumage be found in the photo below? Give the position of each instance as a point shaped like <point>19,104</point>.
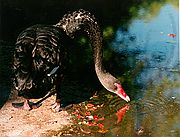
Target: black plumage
<point>38,60</point>
<point>40,57</point>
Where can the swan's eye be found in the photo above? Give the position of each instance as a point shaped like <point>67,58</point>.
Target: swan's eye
<point>115,88</point>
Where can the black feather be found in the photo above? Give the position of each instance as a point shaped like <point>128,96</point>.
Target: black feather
<point>38,51</point>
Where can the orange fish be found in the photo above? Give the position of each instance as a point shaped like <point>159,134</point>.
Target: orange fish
<point>80,116</point>
<point>172,35</point>
<point>121,112</point>
<point>103,131</point>
<point>89,105</point>
<point>95,124</point>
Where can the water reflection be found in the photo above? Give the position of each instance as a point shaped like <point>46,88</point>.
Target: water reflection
<point>150,52</point>
<point>158,116</point>
<point>156,43</point>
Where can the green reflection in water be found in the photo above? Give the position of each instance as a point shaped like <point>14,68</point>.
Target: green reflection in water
<point>160,109</point>
<point>155,115</point>
<point>148,10</point>
<point>108,32</point>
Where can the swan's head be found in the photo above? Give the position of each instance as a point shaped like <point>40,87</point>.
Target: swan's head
<point>113,85</point>
<point>120,92</point>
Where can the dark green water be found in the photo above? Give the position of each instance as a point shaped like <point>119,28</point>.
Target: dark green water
<point>141,47</point>
<point>151,57</point>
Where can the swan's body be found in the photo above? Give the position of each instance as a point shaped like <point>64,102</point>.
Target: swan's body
<point>38,61</point>
<point>39,56</point>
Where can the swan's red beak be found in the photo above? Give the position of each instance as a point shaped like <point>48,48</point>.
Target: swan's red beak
<point>121,93</point>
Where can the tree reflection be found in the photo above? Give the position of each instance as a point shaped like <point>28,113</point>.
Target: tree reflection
<point>160,112</point>
<point>147,10</point>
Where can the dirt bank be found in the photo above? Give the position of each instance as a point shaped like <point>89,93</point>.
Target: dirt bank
<point>35,123</point>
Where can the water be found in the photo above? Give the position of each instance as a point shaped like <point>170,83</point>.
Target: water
<point>145,52</point>
<point>151,54</point>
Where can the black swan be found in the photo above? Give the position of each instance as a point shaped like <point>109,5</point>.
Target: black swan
<point>39,56</point>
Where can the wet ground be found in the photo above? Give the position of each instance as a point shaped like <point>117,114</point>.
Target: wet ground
<point>148,65</point>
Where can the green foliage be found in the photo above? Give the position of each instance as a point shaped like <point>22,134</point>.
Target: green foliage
<point>108,32</point>
<point>150,9</point>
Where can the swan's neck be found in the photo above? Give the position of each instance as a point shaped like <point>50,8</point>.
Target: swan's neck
<point>81,19</point>
<point>96,43</point>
